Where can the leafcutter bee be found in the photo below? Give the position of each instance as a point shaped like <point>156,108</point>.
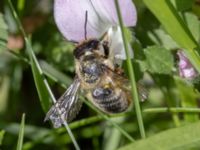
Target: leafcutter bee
<point>98,78</point>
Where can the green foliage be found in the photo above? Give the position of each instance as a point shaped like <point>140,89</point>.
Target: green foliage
<point>160,37</point>
<point>3,33</point>
<point>2,132</point>
<point>21,134</point>
<point>39,81</point>
<point>159,60</point>
<point>44,66</point>
<point>182,138</point>
<point>176,27</point>
<point>193,24</point>
<point>54,74</point>
<point>183,4</point>
<point>188,98</point>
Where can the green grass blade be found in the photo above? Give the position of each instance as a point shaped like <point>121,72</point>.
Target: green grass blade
<point>182,138</point>
<point>3,33</point>
<point>39,81</point>
<point>131,74</point>
<point>21,134</point>
<point>175,26</point>
<point>172,110</point>
<point>188,98</point>
<point>37,73</point>
<point>2,132</point>
<point>42,86</point>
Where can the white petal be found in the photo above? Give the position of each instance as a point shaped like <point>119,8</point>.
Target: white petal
<point>116,44</point>
<point>70,17</point>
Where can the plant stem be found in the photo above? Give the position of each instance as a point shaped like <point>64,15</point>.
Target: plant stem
<point>131,74</point>
<point>21,133</point>
<point>172,110</point>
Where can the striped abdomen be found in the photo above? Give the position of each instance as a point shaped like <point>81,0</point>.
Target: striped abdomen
<point>110,100</point>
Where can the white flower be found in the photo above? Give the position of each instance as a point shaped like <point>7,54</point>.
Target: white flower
<point>70,17</point>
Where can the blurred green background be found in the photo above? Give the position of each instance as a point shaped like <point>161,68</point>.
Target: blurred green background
<point>18,92</point>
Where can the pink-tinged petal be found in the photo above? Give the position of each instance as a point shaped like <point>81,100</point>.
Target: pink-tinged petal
<point>182,63</point>
<point>127,8</point>
<point>189,73</point>
<point>70,17</point>
<point>186,69</point>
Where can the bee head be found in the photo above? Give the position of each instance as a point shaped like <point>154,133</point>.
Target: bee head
<point>86,46</point>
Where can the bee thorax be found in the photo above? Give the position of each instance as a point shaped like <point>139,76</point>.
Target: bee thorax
<point>90,71</point>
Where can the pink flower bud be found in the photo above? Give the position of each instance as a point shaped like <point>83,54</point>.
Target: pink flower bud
<point>186,69</point>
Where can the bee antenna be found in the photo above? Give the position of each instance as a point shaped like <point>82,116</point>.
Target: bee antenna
<point>85,25</point>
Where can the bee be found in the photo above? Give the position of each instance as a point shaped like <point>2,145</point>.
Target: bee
<point>98,77</point>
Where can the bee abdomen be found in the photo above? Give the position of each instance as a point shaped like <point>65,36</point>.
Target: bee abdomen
<point>119,105</point>
<point>110,101</point>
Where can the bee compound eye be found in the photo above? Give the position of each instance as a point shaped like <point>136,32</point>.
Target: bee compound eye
<point>100,93</point>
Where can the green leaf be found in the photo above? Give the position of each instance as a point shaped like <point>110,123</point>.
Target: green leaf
<point>54,74</point>
<point>188,98</point>
<point>21,133</point>
<point>2,132</point>
<point>182,5</point>
<point>193,24</point>
<point>3,33</point>
<point>38,75</point>
<point>4,93</point>
<point>176,28</point>
<point>182,138</point>
<point>159,60</point>
<point>173,24</point>
<point>160,37</point>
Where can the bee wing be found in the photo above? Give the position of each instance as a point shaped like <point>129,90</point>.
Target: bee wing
<point>119,79</point>
<point>143,92</point>
<point>67,106</point>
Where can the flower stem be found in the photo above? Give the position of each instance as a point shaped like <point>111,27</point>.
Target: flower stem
<point>131,74</point>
